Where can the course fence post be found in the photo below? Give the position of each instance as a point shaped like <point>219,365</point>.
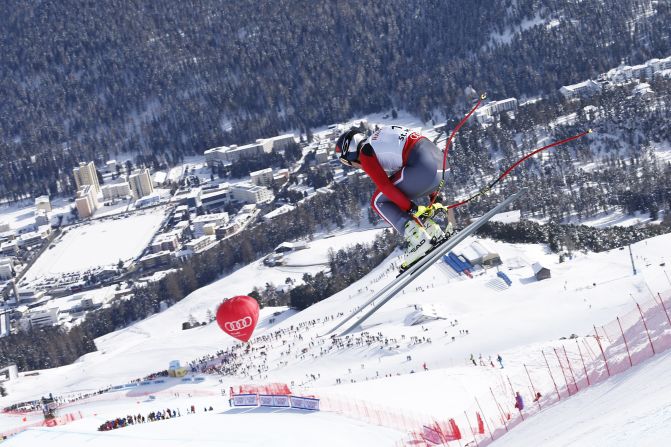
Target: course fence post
<point>491,434</point>
<point>661,300</point>
<point>533,388</point>
<point>646,328</point>
<point>551,376</point>
<point>598,342</point>
<point>583,362</point>
<point>625,342</point>
<point>568,388</point>
<point>475,439</point>
<point>503,416</point>
<point>570,368</point>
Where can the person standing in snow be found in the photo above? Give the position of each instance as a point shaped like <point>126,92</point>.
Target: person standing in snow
<point>500,360</point>
<point>473,360</point>
<point>519,402</point>
<point>404,165</point>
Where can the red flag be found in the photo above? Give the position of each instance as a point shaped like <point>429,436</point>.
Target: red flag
<point>481,424</point>
<point>449,430</point>
<point>430,435</point>
<point>456,433</point>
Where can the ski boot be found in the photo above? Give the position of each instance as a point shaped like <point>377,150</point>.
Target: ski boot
<point>419,239</point>
<point>439,214</point>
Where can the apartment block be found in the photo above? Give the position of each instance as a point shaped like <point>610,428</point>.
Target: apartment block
<point>251,193</point>
<point>86,174</point>
<point>165,242</point>
<point>199,244</point>
<point>43,317</point>
<point>86,201</point>
<point>580,89</point>
<point>263,177</point>
<point>487,111</point>
<point>140,183</point>
<point>115,191</point>
<point>224,155</point>
<point>201,222</point>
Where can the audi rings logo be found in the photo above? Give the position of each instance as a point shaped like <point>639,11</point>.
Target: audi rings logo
<point>238,325</point>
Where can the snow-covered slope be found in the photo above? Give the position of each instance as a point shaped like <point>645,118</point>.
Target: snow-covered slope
<point>481,316</point>
<point>631,409</point>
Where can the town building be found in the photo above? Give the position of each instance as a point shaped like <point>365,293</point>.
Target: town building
<point>4,226</point>
<point>29,240</point>
<point>159,178</point>
<point>199,223</point>
<point>43,203</point>
<point>6,269</point>
<point>263,177</point>
<point>584,88</point>
<point>226,230</point>
<point>225,155</point>
<point>5,330</point>
<point>210,229</point>
<point>151,199</point>
<point>9,248</point>
<point>216,197</point>
<point>251,193</point>
<point>155,259</point>
<point>85,174</point>
<point>191,197</point>
<point>86,201</point>
<point>321,156</point>
<point>540,272</point>
<point>488,111</point>
<point>110,166</point>
<point>199,244</point>
<point>281,176</point>
<point>280,142</point>
<point>115,190</point>
<point>285,247</point>
<point>165,242</point>
<point>302,189</point>
<point>29,295</point>
<point>215,157</point>
<point>140,183</point>
<point>43,317</point>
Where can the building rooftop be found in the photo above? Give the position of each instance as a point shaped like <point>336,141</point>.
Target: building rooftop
<point>210,217</point>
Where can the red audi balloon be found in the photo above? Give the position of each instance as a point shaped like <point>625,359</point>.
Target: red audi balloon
<point>237,316</point>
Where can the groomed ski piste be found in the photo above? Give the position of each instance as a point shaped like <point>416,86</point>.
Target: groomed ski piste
<point>373,387</point>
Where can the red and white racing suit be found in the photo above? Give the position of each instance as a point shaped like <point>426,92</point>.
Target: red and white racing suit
<point>405,166</point>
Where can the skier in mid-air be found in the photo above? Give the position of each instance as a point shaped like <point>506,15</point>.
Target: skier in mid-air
<point>404,165</point>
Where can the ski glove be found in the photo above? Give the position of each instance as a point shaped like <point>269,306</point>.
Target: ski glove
<point>418,210</point>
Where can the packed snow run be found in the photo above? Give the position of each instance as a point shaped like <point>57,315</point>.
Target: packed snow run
<point>410,363</point>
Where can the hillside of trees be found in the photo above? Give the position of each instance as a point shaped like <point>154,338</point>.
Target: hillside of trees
<point>85,80</point>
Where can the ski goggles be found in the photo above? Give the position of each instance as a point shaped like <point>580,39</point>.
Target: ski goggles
<point>348,148</point>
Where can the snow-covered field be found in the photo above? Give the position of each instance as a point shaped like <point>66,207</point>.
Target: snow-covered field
<point>21,215</point>
<point>97,243</point>
<point>516,322</point>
